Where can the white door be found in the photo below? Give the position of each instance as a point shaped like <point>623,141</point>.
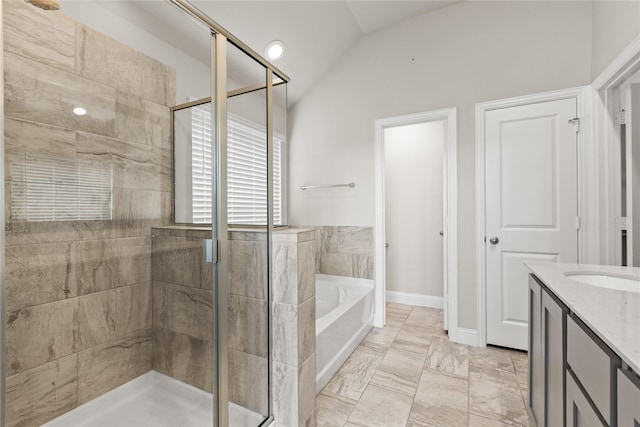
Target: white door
<point>531,206</point>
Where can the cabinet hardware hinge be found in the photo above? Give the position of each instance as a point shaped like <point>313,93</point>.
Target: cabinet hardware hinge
<point>576,123</point>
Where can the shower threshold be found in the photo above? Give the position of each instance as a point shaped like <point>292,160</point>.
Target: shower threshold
<point>153,400</point>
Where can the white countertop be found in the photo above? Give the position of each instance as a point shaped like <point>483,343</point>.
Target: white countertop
<point>613,315</point>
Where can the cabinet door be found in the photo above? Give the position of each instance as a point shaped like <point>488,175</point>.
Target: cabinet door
<point>553,351</point>
<point>628,399</point>
<point>536,367</point>
<point>579,410</point>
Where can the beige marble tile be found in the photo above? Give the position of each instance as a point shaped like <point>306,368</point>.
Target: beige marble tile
<point>107,366</point>
<point>248,381</point>
<point>285,272</point>
<point>494,394</point>
<point>111,263</point>
<point>448,357</point>
<point>29,233</point>
<point>381,407</point>
<point>182,357</point>
<point>133,308</point>
<point>333,410</point>
<point>327,238</point>
<point>38,274</point>
<point>355,240</point>
<point>306,389</point>
<point>23,138</point>
<point>39,93</point>
<point>45,36</point>
<point>354,376</point>
<point>142,121</point>
<point>248,269</point>
<point>56,338</point>
<point>136,211</point>
<point>423,316</point>
<point>441,399</point>
<point>306,271</point>
<point>135,166</point>
<point>96,319</point>
<point>494,357</point>
<point>285,394</point>
<point>285,333</point>
<point>478,421</point>
<point>40,394</point>
<point>183,309</point>
<point>399,371</point>
<point>306,329</point>
<point>380,339</point>
<point>180,261</point>
<point>129,70</point>
<point>349,265</point>
<point>415,339</point>
<point>521,365</point>
<point>248,325</point>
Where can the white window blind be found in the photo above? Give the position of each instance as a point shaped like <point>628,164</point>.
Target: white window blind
<point>62,190</point>
<point>247,170</point>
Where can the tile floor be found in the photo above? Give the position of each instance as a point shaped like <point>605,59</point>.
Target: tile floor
<point>409,374</point>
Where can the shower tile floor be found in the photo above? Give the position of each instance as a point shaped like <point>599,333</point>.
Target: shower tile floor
<point>153,400</point>
<point>408,374</point>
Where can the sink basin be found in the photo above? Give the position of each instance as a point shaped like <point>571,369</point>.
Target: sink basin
<point>618,282</point>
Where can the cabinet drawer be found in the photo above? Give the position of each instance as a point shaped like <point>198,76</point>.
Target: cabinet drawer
<point>580,413</point>
<point>628,399</point>
<point>594,365</point>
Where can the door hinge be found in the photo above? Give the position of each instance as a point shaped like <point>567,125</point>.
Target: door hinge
<point>577,223</point>
<point>576,123</point>
<point>620,118</point>
<point>621,223</point>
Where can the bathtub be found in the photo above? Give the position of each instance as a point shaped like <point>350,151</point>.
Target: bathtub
<point>344,316</point>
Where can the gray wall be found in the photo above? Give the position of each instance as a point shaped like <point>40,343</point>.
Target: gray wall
<point>454,57</point>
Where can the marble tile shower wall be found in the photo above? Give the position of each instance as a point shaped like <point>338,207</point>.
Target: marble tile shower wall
<point>183,314</point>
<point>78,293</point>
<point>344,251</point>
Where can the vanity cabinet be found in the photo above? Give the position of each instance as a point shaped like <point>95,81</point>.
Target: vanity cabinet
<point>580,413</point>
<point>547,350</point>
<point>628,398</point>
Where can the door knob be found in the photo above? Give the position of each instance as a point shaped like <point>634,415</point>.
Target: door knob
<point>494,240</point>
<point>442,233</point>
<point>386,245</point>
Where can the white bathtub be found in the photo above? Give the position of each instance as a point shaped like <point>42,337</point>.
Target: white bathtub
<point>344,316</point>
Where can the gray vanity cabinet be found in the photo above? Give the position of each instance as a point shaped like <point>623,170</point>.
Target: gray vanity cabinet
<point>580,413</point>
<point>547,350</point>
<point>628,399</point>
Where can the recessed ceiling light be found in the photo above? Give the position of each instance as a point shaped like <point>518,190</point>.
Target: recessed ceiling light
<point>79,111</point>
<point>274,50</point>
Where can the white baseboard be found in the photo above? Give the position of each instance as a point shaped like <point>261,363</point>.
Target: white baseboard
<point>467,336</point>
<point>414,299</point>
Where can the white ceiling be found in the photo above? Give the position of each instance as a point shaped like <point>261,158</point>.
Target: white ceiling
<point>316,33</point>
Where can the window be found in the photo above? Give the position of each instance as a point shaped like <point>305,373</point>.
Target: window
<point>247,170</point>
<point>61,190</point>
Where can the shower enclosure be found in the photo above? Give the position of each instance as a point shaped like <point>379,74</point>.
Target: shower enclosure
<point>143,152</point>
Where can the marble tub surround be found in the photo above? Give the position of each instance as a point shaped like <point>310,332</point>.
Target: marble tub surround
<point>612,315</point>
<point>344,250</point>
<point>79,314</point>
<point>387,383</point>
<point>294,332</point>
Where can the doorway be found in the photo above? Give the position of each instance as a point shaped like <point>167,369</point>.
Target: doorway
<point>432,283</point>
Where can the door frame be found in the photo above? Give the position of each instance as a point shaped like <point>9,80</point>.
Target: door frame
<point>450,273</point>
<point>586,159</point>
<point>619,70</point>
